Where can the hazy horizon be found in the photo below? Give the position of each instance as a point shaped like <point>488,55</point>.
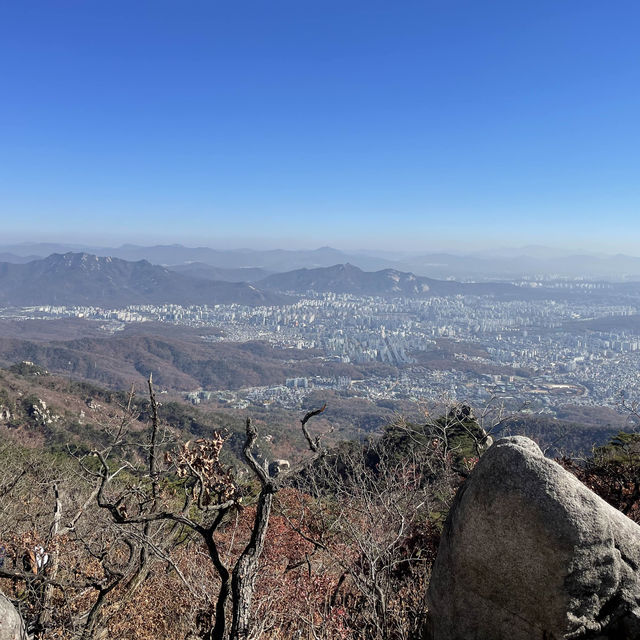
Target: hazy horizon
<point>498,250</point>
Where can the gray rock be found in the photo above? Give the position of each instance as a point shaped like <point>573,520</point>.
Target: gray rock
<point>11,627</point>
<point>528,552</point>
<point>278,466</point>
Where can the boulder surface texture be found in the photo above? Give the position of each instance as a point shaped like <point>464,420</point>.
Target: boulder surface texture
<point>529,552</point>
<point>11,627</point>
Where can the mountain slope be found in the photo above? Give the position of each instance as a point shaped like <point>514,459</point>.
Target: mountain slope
<point>347,278</point>
<point>85,279</point>
<point>177,363</point>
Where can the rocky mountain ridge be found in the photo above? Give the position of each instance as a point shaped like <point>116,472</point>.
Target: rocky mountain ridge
<point>86,279</point>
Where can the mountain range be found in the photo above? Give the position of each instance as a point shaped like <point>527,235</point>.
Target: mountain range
<point>390,283</point>
<point>500,264</point>
<point>85,279</point>
<point>273,260</point>
<point>347,278</point>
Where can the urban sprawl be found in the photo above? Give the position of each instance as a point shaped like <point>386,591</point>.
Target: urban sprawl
<point>532,352</point>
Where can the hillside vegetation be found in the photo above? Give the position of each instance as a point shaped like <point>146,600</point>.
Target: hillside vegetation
<point>346,551</point>
<point>182,361</point>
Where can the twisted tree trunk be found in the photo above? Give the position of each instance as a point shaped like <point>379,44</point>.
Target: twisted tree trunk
<point>245,572</point>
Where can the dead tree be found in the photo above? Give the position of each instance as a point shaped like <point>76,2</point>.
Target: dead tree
<point>209,494</point>
<point>246,569</point>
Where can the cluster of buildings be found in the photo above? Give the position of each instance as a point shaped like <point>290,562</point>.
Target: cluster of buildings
<point>540,351</point>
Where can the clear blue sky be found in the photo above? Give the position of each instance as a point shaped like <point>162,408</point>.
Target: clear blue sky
<point>355,124</point>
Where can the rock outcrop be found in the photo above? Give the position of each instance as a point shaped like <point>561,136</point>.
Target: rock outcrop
<point>528,552</point>
<point>276,467</point>
<point>11,627</point>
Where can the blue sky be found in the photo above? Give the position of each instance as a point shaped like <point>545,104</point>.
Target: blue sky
<point>422,125</point>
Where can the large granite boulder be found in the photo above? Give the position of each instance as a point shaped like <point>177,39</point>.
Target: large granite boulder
<point>529,552</point>
<point>11,627</point>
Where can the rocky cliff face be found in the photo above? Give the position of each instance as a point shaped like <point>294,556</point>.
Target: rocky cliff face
<point>528,552</point>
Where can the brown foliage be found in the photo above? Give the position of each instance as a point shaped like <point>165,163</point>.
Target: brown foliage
<point>616,481</point>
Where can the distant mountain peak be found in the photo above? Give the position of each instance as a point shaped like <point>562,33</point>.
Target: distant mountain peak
<point>348,279</point>
<point>79,278</point>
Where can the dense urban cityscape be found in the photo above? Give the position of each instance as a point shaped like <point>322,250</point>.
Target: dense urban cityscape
<point>539,353</point>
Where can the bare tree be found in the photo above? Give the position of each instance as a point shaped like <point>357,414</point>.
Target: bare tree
<point>209,494</point>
